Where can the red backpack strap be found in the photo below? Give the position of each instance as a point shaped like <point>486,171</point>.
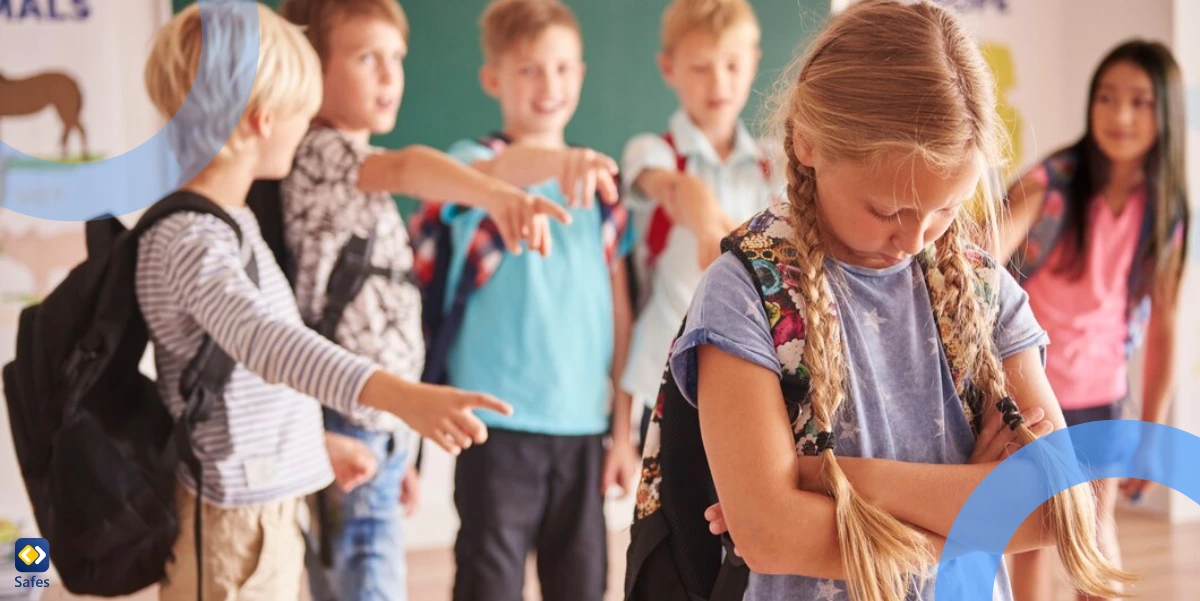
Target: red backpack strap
<point>660,224</point>
<point>764,162</point>
<point>680,160</point>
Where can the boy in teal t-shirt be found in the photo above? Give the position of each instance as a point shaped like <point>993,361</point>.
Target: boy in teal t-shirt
<point>548,334</point>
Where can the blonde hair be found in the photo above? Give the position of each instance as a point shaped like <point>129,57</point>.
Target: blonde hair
<point>319,17</point>
<point>713,17</point>
<point>506,23</point>
<point>286,77</point>
<point>893,79</point>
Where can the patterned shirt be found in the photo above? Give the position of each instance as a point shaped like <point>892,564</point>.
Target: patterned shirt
<point>322,209</point>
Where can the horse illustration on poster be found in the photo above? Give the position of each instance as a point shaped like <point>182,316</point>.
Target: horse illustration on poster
<point>30,95</point>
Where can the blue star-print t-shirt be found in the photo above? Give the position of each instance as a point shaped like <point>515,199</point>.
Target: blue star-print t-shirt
<point>902,404</point>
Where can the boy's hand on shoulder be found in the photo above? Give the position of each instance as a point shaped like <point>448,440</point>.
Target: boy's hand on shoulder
<point>440,413</point>
<point>522,217</point>
<point>584,173</point>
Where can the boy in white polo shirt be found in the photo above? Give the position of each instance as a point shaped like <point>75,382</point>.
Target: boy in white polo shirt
<point>693,184</point>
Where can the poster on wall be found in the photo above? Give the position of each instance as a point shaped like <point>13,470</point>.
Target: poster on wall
<point>70,92</point>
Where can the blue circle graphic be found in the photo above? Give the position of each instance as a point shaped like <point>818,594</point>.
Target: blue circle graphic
<point>173,156</point>
<point>1020,484</point>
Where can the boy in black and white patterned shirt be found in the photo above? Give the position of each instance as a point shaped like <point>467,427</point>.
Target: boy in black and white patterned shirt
<point>340,187</point>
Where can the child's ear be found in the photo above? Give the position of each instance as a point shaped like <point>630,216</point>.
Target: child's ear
<point>803,150</point>
<point>489,80</point>
<point>666,66</point>
<point>261,123</point>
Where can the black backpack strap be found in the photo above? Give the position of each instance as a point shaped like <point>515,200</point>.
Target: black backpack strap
<point>265,200</point>
<point>101,233</point>
<point>319,586</point>
<point>346,280</point>
<point>732,577</point>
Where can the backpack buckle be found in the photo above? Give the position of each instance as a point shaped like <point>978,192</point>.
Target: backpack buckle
<point>198,405</point>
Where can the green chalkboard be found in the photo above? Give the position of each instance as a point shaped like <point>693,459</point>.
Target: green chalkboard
<point>623,93</point>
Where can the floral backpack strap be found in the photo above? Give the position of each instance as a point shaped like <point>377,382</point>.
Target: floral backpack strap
<point>986,282</point>
<point>1055,175</point>
<point>764,245</point>
<point>759,244</point>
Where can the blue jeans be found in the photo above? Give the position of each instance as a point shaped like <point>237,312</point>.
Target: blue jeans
<point>369,562</point>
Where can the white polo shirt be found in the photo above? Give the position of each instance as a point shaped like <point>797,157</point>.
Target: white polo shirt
<point>742,185</point>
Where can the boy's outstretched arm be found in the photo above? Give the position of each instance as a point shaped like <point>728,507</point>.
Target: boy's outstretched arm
<point>206,274</point>
<point>690,202</point>
<point>429,175</point>
<point>581,172</point>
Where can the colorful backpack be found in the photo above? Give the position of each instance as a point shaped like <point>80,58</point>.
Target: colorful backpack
<point>1057,175</point>
<point>672,556</point>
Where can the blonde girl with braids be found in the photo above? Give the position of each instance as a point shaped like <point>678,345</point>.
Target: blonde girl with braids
<point>889,131</point>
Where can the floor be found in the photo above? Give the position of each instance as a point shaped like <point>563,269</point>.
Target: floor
<point>1166,557</point>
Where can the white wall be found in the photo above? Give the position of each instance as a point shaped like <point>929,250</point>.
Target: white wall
<point>1185,413</point>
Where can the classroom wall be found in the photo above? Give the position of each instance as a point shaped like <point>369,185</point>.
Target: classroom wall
<point>102,47</point>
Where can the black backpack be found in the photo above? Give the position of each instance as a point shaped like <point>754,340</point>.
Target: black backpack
<point>96,446</point>
<point>672,556</point>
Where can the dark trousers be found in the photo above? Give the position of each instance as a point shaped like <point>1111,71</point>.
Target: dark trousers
<point>522,492</point>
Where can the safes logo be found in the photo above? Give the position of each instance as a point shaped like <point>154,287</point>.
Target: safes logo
<point>32,554</point>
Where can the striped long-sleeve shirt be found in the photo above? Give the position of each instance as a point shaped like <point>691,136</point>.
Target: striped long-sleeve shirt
<point>264,439</point>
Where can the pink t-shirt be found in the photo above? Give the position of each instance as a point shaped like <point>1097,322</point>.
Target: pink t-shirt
<point>1087,317</point>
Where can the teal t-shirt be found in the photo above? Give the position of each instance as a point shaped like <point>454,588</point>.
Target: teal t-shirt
<point>539,333</point>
